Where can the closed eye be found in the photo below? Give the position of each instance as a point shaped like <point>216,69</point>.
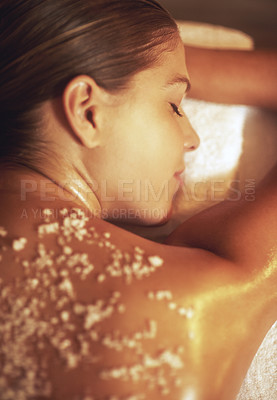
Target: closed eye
<point>176,109</point>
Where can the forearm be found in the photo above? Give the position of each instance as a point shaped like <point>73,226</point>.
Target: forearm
<point>233,77</point>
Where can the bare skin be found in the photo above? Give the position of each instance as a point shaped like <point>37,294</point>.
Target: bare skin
<point>220,269</point>
<point>234,304</point>
<point>238,77</point>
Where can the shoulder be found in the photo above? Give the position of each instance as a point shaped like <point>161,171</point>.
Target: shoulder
<point>89,309</point>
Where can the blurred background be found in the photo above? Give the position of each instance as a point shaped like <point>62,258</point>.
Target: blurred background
<point>257,18</point>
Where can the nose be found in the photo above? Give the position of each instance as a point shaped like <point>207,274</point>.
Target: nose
<point>191,139</point>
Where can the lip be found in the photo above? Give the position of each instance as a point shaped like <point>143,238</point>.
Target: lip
<point>178,176</point>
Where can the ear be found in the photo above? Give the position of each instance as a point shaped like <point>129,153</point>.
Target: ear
<point>80,99</point>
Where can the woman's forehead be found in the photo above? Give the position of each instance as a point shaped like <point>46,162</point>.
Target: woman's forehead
<point>170,71</point>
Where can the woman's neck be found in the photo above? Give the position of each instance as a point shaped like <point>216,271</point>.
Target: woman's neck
<point>28,184</point>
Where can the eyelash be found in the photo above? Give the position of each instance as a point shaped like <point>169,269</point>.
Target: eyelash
<point>176,110</point>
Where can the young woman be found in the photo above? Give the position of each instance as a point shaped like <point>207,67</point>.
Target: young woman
<point>91,132</point>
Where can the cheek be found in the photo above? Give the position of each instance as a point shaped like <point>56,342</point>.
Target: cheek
<point>169,142</point>
<point>144,145</point>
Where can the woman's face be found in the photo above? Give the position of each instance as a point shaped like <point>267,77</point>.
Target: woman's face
<point>143,145</point>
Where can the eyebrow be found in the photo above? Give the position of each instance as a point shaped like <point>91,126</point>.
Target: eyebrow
<point>179,79</point>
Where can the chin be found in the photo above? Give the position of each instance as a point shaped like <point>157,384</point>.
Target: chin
<point>164,216</point>
<point>143,217</point>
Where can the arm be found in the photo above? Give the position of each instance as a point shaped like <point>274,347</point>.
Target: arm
<point>233,77</point>
<point>239,230</point>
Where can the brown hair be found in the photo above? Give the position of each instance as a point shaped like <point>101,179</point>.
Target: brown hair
<point>44,44</point>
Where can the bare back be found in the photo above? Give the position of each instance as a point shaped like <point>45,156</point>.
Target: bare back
<point>89,309</point>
